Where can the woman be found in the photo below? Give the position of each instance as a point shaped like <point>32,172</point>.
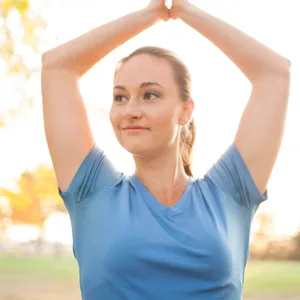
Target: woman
<point>161,233</point>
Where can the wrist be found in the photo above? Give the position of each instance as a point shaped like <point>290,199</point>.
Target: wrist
<point>177,12</point>
<point>153,13</point>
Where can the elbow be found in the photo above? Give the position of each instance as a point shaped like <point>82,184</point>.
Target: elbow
<point>48,60</point>
<point>280,70</point>
<point>288,62</point>
<point>52,60</point>
<point>283,68</point>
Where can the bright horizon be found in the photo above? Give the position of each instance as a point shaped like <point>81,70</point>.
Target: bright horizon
<point>220,90</point>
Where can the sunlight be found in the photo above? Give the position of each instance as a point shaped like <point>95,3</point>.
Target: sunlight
<point>220,92</point>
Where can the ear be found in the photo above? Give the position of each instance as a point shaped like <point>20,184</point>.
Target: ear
<point>187,112</point>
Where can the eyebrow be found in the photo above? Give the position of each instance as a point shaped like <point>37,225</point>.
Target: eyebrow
<point>143,85</point>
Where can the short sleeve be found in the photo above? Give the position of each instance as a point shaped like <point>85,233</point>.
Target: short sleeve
<point>95,173</point>
<point>231,175</point>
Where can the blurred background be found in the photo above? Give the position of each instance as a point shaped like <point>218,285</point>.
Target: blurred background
<point>36,259</point>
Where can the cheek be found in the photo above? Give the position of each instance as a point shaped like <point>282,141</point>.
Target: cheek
<point>165,124</point>
<point>114,118</point>
<point>165,118</point>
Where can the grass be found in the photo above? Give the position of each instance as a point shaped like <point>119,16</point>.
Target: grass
<point>261,276</point>
<point>273,276</point>
<point>43,268</point>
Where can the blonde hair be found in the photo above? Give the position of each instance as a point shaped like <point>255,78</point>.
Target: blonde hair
<point>183,79</point>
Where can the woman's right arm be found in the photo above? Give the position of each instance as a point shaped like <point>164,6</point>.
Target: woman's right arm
<point>67,128</point>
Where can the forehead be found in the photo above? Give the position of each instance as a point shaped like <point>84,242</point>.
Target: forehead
<point>145,68</point>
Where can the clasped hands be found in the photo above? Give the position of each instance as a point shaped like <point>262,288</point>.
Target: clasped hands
<point>163,12</point>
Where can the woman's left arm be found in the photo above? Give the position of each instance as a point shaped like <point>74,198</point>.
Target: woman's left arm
<point>261,127</point>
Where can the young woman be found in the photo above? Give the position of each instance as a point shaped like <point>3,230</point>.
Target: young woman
<point>161,233</point>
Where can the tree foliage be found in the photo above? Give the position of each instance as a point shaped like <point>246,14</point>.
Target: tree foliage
<point>35,198</point>
<point>20,31</point>
<point>30,23</point>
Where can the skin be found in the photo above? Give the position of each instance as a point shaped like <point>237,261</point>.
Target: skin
<point>159,109</point>
<point>260,131</point>
<point>160,9</point>
<point>70,139</point>
<point>269,74</point>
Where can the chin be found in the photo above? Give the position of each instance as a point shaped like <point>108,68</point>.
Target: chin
<point>138,149</point>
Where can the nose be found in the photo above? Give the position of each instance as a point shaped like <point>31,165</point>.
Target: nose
<point>133,110</point>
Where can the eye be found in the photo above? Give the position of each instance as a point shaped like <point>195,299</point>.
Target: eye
<point>119,98</point>
<point>149,95</point>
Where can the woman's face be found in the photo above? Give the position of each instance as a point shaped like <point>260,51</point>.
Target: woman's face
<point>146,94</point>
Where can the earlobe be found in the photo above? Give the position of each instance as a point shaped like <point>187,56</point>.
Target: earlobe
<point>187,112</point>
<point>182,120</point>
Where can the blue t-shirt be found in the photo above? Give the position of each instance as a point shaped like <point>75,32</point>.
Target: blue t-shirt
<point>129,246</point>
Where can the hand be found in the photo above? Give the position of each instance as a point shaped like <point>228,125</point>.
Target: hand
<point>177,5</point>
<point>159,7</point>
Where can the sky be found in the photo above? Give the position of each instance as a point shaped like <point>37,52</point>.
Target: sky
<point>220,91</point>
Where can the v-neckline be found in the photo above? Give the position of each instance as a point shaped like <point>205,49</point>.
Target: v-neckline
<point>153,203</point>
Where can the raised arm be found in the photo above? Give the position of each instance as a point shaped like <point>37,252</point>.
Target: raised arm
<point>261,128</point>
<point>66,123</point>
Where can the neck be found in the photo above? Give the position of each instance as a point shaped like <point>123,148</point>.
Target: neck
<point>163,175</point>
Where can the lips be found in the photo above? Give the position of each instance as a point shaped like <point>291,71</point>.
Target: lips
<point>135,127</point>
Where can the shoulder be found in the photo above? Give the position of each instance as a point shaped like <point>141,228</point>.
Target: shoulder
<point>216,199</point>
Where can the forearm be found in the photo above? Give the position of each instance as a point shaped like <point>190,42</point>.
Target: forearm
<point>82,53</point>
<point>250,56</point>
